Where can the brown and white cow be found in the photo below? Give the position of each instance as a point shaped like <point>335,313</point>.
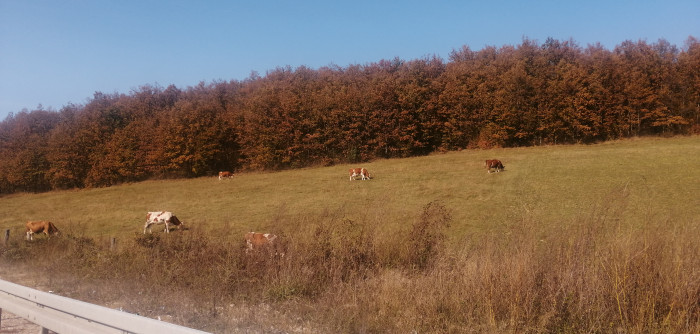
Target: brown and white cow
<point>225,174</point>
<point>259,241</point>
<point>161,217</point>
<point>44,226</point>
<point>495,164</point>
<point>358,172</point>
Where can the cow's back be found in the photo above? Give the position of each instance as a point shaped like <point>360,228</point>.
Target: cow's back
<point>34,226</point>
<point>38,226</point>
<point>158,216</point>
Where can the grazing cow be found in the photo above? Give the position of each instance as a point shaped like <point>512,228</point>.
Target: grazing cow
<point>255,241</point>
<point>224,174</point>
<point>358,171</point>
<point>495,164</point>
<point>161,217</point>
<point>44,226</point>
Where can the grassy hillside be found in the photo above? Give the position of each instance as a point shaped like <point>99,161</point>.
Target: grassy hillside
<point>587,238</point>
<point>552,184</point>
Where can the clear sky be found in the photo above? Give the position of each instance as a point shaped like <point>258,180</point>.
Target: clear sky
<point>55,52</point>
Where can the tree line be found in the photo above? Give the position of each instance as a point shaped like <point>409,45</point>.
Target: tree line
<point>556,92</point>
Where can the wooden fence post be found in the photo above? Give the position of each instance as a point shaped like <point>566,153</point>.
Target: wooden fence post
<point>112,243</point>
<point>7,237</point>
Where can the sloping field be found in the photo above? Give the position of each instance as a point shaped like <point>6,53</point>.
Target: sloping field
<point>554,184</point>
<point>585,238</point>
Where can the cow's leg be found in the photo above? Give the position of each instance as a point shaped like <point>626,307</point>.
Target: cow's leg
<point>29,235</point>
<point>249,246</point>
<point>167,230</point>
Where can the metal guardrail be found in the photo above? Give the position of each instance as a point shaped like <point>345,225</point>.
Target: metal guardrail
<point>66,316</point>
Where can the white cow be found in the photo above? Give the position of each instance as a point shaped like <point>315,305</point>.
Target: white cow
<point>161,217</point>
<point>359,171</point>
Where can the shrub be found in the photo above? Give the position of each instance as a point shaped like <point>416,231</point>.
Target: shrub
<point>426,239</point>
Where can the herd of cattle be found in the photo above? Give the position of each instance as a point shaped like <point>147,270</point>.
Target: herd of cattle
<point>254,240</point>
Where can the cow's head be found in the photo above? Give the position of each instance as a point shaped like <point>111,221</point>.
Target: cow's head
<point>52,229</point>
<point>175,221</point>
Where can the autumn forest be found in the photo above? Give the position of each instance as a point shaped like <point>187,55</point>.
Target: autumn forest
<point>556,92</point>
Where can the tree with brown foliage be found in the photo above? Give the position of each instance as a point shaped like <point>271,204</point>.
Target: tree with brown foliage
<point>528,94</point>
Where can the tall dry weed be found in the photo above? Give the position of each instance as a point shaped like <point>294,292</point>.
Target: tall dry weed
<point>426,241</point>
<point>595,274</point>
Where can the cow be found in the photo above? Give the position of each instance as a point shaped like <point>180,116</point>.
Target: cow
<point>358,171</point>
<point>161,217</point>
<point>258,241</point>
<point>44,226</point>
<point>225,174</point>
<point>495,164</point>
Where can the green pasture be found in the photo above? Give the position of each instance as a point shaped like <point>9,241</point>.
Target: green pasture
<point>649,179</point>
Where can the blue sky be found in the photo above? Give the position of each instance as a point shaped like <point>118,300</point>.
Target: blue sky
<point>58,52</point>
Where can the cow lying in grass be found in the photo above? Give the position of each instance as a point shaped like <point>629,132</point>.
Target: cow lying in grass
<point>42,226</point>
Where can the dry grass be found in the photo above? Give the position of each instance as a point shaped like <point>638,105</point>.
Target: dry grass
<point>596,238</point>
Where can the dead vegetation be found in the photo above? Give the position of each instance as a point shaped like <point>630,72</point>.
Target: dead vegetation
<point>594,274</point>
